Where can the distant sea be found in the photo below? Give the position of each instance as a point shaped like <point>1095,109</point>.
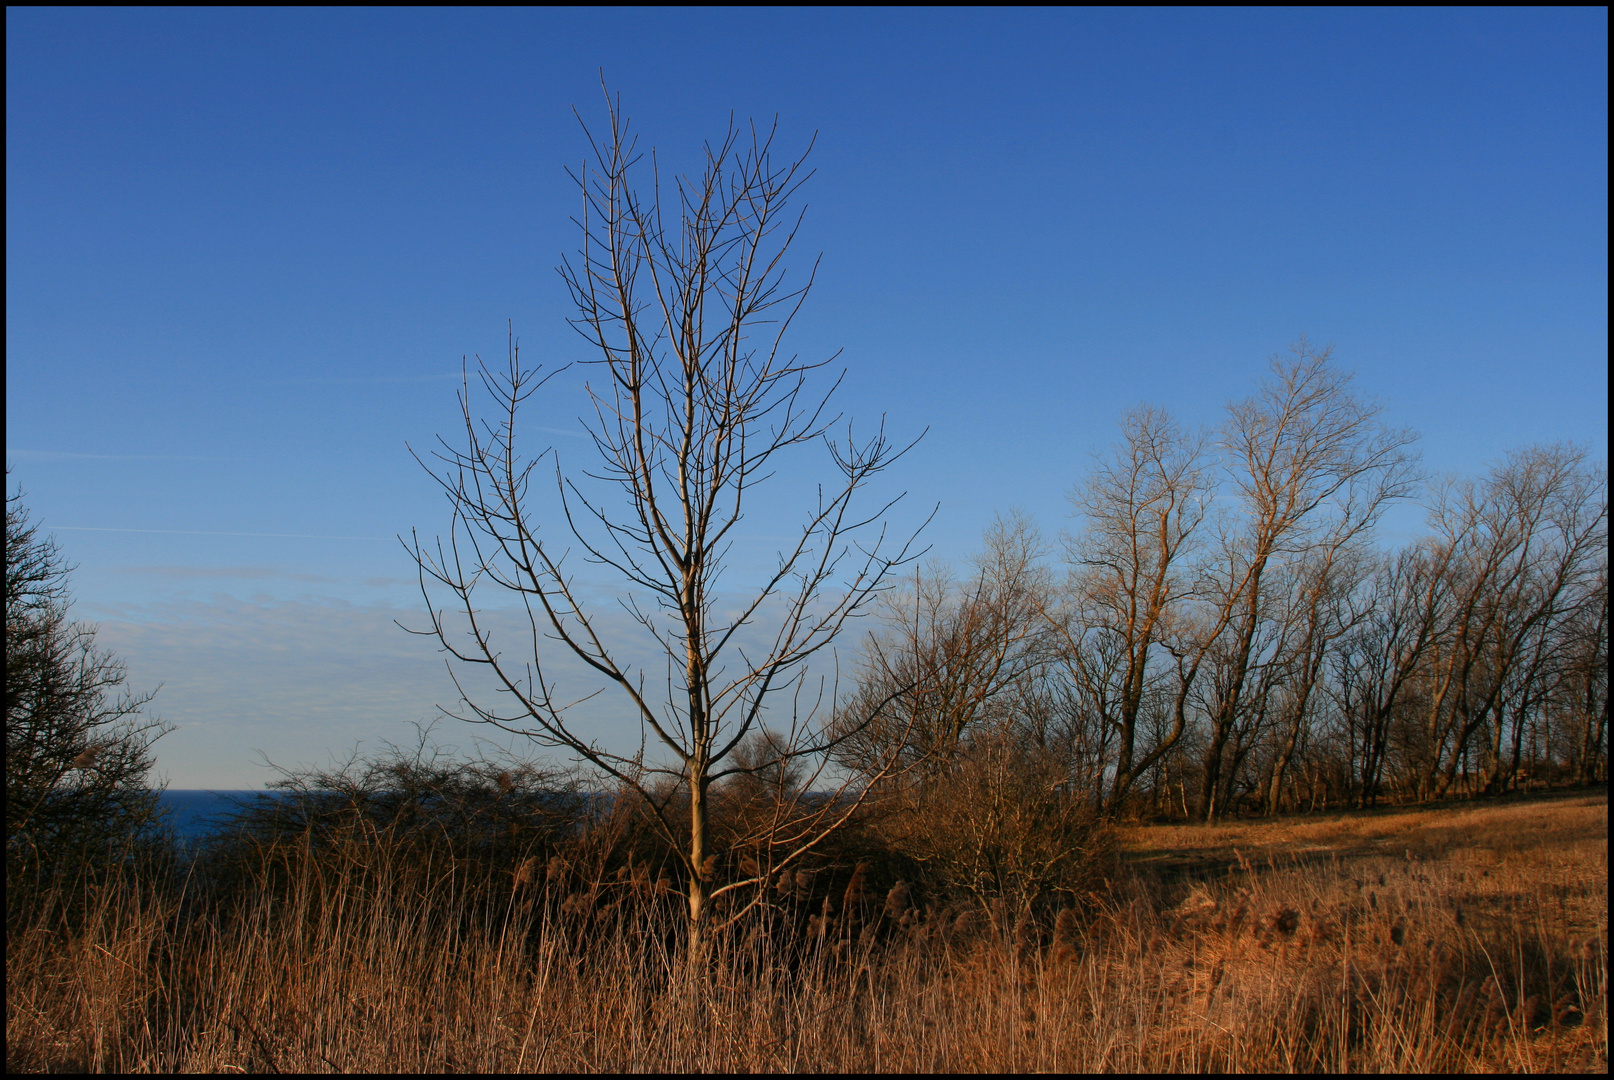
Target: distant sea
<point>194,814</point>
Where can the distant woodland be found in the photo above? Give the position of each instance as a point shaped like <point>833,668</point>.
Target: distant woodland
<point>1225,634</point>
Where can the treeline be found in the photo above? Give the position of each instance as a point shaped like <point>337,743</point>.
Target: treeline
<point>1225,634</point>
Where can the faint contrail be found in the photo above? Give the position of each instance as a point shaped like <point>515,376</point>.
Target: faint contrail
<point>65,455</point>
<point>195,532</point>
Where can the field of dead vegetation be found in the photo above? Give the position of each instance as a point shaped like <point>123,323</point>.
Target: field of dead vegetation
<point>1467,937</point>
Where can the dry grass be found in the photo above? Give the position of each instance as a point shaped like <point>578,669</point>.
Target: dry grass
<point>1461,939</point>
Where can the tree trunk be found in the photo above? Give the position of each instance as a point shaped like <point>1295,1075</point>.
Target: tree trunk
<point>1280,765</point>
<point>700,886</point>
<point>1211,782</point>
<point>1123,769</point>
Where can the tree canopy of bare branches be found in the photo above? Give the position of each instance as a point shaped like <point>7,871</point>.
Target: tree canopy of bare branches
<point>682,296</point>
<point>1128,634</point>
<point>78,749</point>
<point>1231,628</point>
<point>1314,468</point>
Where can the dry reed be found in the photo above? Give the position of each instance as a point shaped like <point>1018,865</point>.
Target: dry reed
<point>1471,939</point>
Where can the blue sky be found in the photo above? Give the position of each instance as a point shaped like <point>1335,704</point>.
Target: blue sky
<point>247,250</point>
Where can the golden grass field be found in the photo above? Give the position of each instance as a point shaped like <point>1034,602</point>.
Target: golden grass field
<point>1465,937</point>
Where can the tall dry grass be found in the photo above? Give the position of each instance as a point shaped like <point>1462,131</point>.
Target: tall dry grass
<point>1459,940</point>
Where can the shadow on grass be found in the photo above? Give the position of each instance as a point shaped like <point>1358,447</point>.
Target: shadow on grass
<point>1228,849</point>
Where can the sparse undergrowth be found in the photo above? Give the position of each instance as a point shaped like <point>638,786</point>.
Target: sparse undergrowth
<point>1467,938</point>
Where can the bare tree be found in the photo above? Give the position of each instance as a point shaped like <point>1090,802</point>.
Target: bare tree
<point>952,657</point>
<point>78,749</point>
<point>1141,508</point>
<point>1002,825</point>
<point>1584,685</point>
<point>1403,605</point>
<point>997,803</point>
<point>1526,539</point>
<point>1313,467</point>
<point>681,293</point>
<point>1321,614</point>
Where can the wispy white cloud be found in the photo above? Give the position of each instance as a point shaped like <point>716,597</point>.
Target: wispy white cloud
<point>254,573</point>
<point>63,455</point>
<point>200,532</point>
<point>362,380</point>
<point>301,681</point>
<point>570,433</point>
<point>293,681</point>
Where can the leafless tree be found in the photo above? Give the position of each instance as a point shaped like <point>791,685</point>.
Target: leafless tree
<point>953,656</point>
<point>1003,825</point>
<point>1584,684</point>
<point>1526,539</point>
<point>78,747</point>
<point>1404,606</point>
<point>1141,508</point>
<point>681,293</point>
<point>1320,614</point>
<point>1313,466</point>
